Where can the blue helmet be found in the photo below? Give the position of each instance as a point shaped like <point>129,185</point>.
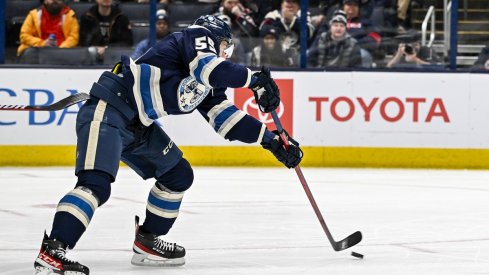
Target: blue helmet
<point>216,26</point>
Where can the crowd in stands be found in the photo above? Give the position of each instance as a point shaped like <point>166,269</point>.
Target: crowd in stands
<point>340,33</point>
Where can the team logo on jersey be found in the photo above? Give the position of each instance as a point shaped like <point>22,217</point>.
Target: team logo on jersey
<point>244,99</point>
<point>190,94</point>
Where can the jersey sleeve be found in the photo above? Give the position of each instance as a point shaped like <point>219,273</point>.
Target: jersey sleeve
<point>201,54</point>
<point>230,122</point>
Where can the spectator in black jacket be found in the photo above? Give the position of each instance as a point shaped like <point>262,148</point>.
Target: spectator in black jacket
<point>287,21</point>
<point>335,48</point>
<point>104,25</point>
<point>270,52</point>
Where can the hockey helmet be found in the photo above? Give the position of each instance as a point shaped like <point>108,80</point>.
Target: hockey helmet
<point>216,26</point>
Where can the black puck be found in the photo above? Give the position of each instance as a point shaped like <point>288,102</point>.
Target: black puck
<point>358,255</point>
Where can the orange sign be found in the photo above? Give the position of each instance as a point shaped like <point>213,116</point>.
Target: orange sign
<point>244,100</point>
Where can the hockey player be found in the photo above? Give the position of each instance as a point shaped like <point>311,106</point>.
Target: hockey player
<point>184,72</point>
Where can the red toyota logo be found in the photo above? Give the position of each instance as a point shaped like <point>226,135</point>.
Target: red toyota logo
<point>244,99</point>
<point>251,108</point>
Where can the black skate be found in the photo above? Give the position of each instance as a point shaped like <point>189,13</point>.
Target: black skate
<point>52,260</point>
<point>149,250</point>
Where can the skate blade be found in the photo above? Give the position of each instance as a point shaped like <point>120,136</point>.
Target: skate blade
<point>149,260</point>
<point>43,271</point>
<point>48,271</point>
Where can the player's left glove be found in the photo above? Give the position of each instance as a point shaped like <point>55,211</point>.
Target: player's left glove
<point>267,94</point>
<point>290,157</point>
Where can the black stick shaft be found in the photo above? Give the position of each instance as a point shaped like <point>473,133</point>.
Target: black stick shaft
<point>302,179</point>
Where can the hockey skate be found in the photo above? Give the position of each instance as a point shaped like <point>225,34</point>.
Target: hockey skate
<point>150,250</point>
<point>52,260</point>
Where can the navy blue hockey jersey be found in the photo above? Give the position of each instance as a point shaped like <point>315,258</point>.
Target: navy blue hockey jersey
<point>183,72</point>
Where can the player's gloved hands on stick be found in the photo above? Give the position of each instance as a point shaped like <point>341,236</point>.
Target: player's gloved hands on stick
<point>267,94</point>
<point>290,157</point>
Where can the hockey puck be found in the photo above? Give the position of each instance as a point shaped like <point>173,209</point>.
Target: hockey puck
<point>358,255</point>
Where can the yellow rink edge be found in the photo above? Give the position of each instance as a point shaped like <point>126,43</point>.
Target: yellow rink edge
<point>256,156</point>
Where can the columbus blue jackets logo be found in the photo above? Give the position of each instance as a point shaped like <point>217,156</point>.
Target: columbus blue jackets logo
<point>190,94</point>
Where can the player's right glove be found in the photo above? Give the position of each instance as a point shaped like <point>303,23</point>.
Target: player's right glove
<point>290,157</point>
<point>267,94</point>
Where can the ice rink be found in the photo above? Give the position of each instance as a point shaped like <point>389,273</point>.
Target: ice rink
<point>259,221</point>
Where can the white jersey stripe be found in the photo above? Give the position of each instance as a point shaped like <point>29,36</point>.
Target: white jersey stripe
<point>136,72</point>
<point>262,133</point>
<point>98,116</point>
<point>155,92</point>
<point>195,62</point>
<point>248,79</point>
<point>167,194</point>
<point>207,70</point>
<point>216,110</point>
<point>75,211</point>
<point>230,122</point>
<point>160,212</point>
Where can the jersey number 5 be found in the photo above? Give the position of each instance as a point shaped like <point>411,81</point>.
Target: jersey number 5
<point>204,42</point>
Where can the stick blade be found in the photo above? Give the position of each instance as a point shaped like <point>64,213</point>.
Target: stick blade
<point>348,242</point>
<point>60,105</point>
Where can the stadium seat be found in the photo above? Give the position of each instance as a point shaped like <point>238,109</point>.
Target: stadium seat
<point>15,14</point>
<point>16,8</point>
<point>138,14</point>
<point>80,8</point>
<point>62,56</point>
<point>182,15</point>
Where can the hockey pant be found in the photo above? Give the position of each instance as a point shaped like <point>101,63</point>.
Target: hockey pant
<point>104,138</point>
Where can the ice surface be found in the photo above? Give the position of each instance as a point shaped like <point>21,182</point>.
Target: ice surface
<point>259,221</point>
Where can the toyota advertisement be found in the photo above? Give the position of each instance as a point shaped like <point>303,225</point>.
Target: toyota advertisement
<point>354,109</point>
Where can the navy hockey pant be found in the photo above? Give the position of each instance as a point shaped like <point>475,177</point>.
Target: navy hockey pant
<point>105,137</point>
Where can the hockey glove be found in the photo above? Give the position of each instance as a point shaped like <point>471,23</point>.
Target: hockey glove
<point>267,94</point>
<point>290,157</point>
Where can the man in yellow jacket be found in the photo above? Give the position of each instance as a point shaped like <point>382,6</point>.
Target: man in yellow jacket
<point>54,24</point>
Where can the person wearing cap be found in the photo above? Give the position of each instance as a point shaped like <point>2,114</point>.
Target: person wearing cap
<point>335,48</point>
<point>270,52</point>
<point>362,30</point>
<point>162,30</point>
<point>53,24</point>
<point>105,25</point>
<point>287,21</point>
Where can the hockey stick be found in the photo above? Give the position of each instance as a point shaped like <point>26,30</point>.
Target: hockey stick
<point>60,105</point>
<point>347,242</point>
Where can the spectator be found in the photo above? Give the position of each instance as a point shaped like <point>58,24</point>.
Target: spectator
<point>162,30</point>
<point>335,48</point>
<point>242,23</point>
<point>483,60</point>
<point>411,54</point>
<point>105,25</point>
<point>287,21</point>
<point>54,19</point>
<point>361,29</point>
<point>270,52</point>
